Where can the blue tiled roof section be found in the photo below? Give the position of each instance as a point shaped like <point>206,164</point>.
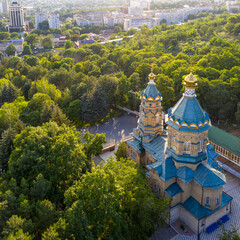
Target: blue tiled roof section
<point>169,170</point>
<point>134,144</point>
<point>173,189</point>
<point>211,152</point>
<point>156,147</point>
<point>209,177</point>
<point>151,91</point>
<point>185,174</point>
<point>194,207</point>
<point>188,110</point>
<point>186,158</point>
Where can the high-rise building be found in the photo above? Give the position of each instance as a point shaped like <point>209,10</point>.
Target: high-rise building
<point>16,17</point>
<point>53,21</point>
<point>40,17</point>
<point>5,6</point>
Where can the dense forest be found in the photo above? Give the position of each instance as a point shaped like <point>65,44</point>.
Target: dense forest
<point>49,186</point>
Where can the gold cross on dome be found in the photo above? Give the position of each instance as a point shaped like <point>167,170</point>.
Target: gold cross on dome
<point>191,66</point>
<point>152,65</point>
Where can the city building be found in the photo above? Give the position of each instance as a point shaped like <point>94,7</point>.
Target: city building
<point>5,6</point>
<point>16,17</point>
<point>135,11</point>
<point>139,4</point>
<point>177,161</point>
<point>233,5</point>
<point>18,43</point>
<point>53,21</point>
<point>39,18</point>
<point>136,22</point>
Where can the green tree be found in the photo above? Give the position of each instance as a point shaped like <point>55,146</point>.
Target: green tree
<point>15,35</point>
<point>6,147</point>
<point>26,50</point>
<point>47,43</point>
<point>121,151</point>
<point>11,50</point>
<point>237,114</point>
<point>229,234</point>
<point>68,44</point>
<point>44,26</point>
<point>20,235</point>
<point>116,202</point>
<point>8,94</point>
<point>94,106</point>
<point>32,40</point>
<point>32,61</point>
<point>61,163</point>
<point>117,29</point>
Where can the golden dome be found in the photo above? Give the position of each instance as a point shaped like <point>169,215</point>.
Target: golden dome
<point>190,80</point>
<point>151,76</point>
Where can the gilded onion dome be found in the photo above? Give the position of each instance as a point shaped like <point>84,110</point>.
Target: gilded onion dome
<point>187,114</point>
<point>151,93</point>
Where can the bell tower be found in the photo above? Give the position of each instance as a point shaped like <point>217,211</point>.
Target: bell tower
<point>150,123</point>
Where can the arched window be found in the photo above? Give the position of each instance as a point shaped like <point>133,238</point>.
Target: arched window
<point>157,118</point>
<point>200,146</point>
<point>187,147</point>
<point>142,118</point>
<point>207,201</point>
<point>217,200</point>
<point>154,187</point>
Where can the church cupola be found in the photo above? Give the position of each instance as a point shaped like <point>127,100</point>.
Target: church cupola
<point>188,126</point>
<point>150,122</point>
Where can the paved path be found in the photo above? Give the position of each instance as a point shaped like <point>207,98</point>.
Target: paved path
<point>116,128</point>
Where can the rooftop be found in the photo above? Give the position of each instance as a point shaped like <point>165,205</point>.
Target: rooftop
<point>194,207</point>
<point>225,140</point>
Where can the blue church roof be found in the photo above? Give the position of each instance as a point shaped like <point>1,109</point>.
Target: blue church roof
<point>151,92</point>
<point>209,177</point>
<point>173,189</point>
<point>194,207</point>
<point>168,169</point>
<point>187,115</point>
<point>185,174</point>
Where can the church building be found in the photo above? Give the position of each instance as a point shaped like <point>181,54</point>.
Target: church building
<point>178,160</point>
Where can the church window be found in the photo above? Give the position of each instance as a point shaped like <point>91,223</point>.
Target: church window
<point>173,143</point>
<point>142,118</point>
<point>157,118</point>
<point>159,191</point>
<point>154,186</point>
<point>207,201</point>
<point>200,146</point>
<point>217,200</point>
<point>150,105</point>
<point>187,147</point>
<point>227,208</point>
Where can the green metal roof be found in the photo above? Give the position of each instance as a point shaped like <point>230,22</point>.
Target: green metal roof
<point>225,140</point>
